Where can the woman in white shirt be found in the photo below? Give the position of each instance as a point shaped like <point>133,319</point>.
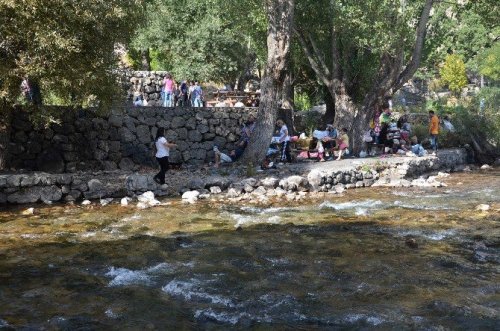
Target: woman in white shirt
<point>162,154</point>
<point>284,140</point>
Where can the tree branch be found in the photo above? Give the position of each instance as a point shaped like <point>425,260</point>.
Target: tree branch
<point>320,69</point>
<point>418,47</point>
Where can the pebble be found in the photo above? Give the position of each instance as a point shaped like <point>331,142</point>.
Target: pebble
<point>86,202</point>
<point>485,166</point>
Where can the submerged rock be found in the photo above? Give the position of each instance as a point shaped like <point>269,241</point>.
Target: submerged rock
<point>483,207</point>
<point>190,196</point>
<point>29,211</point>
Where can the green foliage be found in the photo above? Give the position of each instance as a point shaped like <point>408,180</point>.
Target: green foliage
<point>302,101</point>
<point>67,45</point>
<point>209,40</point>
<point>490,97</point>
<point>489,62</point>
<point>453,73</point>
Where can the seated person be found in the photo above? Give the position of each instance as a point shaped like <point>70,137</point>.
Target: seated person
<point>343,143</point>
<point>247,129</point>
<point>233,156</point>
<point>239,104</point>
<point>447,125</point>
<point>221,104</point>
<point>417,148</point>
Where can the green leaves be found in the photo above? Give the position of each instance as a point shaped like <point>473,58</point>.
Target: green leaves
<point>66,44</point>
<point>201,39</point>
<point>453,73</point>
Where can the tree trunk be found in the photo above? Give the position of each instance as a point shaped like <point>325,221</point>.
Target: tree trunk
<point>5,117</point>
<point>329,115</point>
<point>280,24</point>
<point>145,60</point>
<point>288,92</point>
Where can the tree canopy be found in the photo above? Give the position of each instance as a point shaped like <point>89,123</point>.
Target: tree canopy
<point>66,45</point>
<point>203,39</point>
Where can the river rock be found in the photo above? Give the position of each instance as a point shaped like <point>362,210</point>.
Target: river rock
<point>49,194</point>
<point>293,183</point>
<point>29,211</point>
<point>315,179</point>
<point>249,181</point>
<point>105,202</point>
<point>259,191</point>
<point>86,202</point>
<point>148,198</point>
<point>248,188</point>
<point>215,190</point>
<point>483,207</point>
<point>125,201</point>
<point>233,193</point>
<point>96,189</point>
<point>270,182</point>
<point>27,195</point>
<point>196,184</point>
<point>485,166</point>
<point>190,196</point>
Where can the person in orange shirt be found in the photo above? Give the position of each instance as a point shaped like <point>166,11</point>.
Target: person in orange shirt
<point>433,130</point>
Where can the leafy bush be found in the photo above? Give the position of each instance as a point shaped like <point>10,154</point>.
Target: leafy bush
<point>302,101</point>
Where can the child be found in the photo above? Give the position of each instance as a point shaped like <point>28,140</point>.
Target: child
<point>343,143</point>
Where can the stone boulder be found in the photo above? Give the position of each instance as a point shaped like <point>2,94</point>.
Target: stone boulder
<point>315,179</point>
<point>27,195</point>
<point>50,194</point>
<point>293,183</point>
<point>270,182</point>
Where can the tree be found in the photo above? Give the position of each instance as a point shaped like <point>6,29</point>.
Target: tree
<point>202,39</point>
<point>280,15</point>
<point>362,51</point>
<point>66,45</point>
<point>453,73</point>
<point>489,62</point>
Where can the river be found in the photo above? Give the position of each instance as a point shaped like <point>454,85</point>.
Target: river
<point>376,258</point>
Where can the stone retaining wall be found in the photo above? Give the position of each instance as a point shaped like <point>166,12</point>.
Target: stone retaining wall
<point>36,187</point>
<point>84,140</point>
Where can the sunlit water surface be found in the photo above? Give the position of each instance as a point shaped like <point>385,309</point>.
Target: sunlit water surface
<point>373,258</point>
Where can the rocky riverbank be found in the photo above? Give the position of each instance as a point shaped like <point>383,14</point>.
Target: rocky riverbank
<point>292,181</point>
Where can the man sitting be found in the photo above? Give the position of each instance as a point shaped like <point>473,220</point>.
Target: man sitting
<point>233,156</point>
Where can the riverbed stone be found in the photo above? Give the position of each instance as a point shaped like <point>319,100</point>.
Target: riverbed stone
<point>215,190</point>
<point>293,183</point>
<point>50,194</point>
<point>26,195</point>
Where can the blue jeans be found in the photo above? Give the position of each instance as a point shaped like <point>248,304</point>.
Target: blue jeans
<point>434,142</point>
<point>167,102</point>
<point>197,102</point>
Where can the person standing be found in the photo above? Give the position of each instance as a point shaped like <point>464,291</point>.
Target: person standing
<point>343,143</point>
<point>197,95</point>
<point>433,130</point>
<point>183,97</point>
<point>284,140</point>
<point>162,154</point>
<point>168,89</point>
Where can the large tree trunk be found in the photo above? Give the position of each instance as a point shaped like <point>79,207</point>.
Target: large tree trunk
<point>329,115</point>
<point>5,117</point>
<point>280,18</point>
<point>288,92</point>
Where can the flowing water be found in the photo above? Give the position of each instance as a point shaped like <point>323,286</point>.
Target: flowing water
<point>407,258</point>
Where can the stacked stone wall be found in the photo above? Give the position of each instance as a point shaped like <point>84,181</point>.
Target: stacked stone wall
<point>84,140</point>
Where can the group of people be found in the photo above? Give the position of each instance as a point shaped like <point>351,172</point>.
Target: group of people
<point>396,136</point>
<point>173,94</point>
<point>327,141</point>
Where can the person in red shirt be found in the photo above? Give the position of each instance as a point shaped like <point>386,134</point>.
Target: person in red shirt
<point>433,130</point>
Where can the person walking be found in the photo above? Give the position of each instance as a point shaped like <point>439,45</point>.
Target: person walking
<point>433,130</point>
<point>162,154</point>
